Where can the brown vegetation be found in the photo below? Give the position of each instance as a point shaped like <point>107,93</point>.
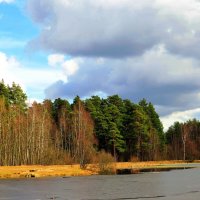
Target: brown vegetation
<point>75,170</point>
<point>33,137</point>
<point>106,163</point>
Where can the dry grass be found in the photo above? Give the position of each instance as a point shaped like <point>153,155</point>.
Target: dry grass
<point>74,170</point>
<point>43,171</point>
<point>149,164</point>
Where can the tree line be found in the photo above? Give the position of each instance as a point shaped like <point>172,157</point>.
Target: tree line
<point>183,140</point>
<point>57,132</point>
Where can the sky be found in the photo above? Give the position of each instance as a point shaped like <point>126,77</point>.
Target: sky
<point>137,49</point>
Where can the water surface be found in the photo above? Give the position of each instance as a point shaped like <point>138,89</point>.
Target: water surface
<point>172,185</point>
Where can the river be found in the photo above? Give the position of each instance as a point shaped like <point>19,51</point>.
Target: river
<point>171,185</point>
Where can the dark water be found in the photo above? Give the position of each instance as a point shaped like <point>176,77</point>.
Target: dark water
<point>172,185</point>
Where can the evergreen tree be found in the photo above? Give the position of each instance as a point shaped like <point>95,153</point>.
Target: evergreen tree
<point>95,106</point>
<point>116,140</point>
<point>58,105</point>
<point>155,127</point>
<point>128,130</point>
<point>17,96</point>
<point>4,92</point>
<point>140,126</point>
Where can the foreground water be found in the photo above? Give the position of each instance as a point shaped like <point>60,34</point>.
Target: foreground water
<point>172,185</point>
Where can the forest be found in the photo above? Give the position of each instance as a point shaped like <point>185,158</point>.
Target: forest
<point>57,132</point>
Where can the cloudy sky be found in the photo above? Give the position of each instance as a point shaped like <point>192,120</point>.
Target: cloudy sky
<point>137,49</point>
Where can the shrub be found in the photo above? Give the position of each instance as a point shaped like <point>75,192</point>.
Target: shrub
<point>134,159</point>
<point>106,163</point>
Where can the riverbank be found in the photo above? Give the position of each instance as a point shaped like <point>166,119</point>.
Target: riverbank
<point>75,170</point>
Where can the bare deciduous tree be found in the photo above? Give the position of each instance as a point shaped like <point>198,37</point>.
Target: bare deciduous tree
<point>185,131</point>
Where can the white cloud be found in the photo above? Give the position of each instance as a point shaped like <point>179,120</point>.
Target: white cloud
<point>119,3</point>
<point>187,9</point>
<point>98,28</point>
<point>70,67</point>
<point>181,116</point>
<point>33,81</point>
<point>129,27</point>
<point>55,59</point>
<point>7,62</point>
<point>161,67</point>
<point>165,79</point>
<point>7,1</point>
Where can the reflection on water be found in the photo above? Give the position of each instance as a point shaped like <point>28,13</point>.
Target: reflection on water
<point>137,171</point>
<point>172,185</point>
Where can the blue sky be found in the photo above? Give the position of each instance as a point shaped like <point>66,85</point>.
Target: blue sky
<point>16,29</point>
<point>137,49</point>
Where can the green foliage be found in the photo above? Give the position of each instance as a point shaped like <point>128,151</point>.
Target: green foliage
<point>13,95</point>
<point>155,129</point>
<point>116,139</point>
<point>4,91</point>
<point>17,96</point>
<point>108,117</point>
<point>140,126</point>
<point>174,131</point>
<point>58,106</point>
<point>126,129</point>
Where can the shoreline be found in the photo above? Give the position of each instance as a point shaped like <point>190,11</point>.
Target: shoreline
<point>41,171</point>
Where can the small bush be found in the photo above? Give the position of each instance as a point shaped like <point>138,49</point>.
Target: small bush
<point>88,158</point>
<point>67,159</point>
<point>54,157</point>
<point>134,159</point>
<point>106,163</point>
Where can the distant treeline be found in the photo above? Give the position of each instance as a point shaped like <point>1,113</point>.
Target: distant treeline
<point>183,140</point>
<point>61,133</point>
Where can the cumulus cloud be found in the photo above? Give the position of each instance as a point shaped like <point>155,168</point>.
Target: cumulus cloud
<point>55,59</point>
<point>33,81</point>
<point>137,49</point>
<point>69,66</point>
<point>117,28</point>
<point>181,116</point>
<point>164,79</point>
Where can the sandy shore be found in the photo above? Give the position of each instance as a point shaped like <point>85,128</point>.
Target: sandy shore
<point>75,170</point>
